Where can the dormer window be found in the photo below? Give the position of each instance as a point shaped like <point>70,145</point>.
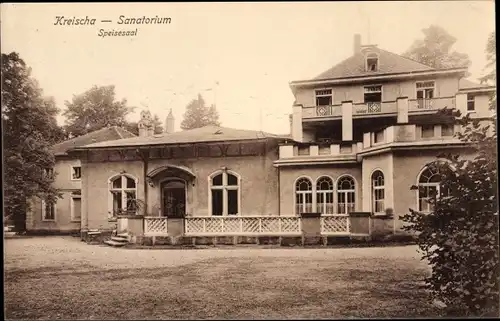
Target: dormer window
<point>323,97</point>
<point>372,62</point>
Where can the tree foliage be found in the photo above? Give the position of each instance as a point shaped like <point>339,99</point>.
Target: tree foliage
<point>460,237</point>
<point>198,114</point>
<point>95,109</point>
<point>29,130</point>
<point>435,50</point>
<point>491,75</point>
<point>134,129</point>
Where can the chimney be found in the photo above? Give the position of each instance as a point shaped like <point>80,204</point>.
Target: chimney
<point>145,124</point>
<point>357,43</point>
<point>169,123</point>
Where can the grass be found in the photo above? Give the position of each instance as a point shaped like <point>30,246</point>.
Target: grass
<point>214,284</point>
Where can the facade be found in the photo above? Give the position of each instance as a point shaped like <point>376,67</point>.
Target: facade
<point>362,134</point>
<point>65,215</point>
<point>364,131</point>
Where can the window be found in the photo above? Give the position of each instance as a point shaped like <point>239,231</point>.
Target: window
<point>225,194</point>
<point>427,131</point>
<point>48,211</point>
<point>324,97</point>
<point>425,93</point>
<point>372,62</point>
<point>324,195</point>
<point>303,196</point>
<point>471,106</point>
<point>429,187</point>
<point>123,194</point>
<point>373,94</point>
<point>346,193</point>
<point>76,173</point>
<point>447,130</point>
<point>378,192</point>
<point>76,208</point>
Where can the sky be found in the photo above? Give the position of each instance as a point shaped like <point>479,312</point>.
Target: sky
<point>240,56</point>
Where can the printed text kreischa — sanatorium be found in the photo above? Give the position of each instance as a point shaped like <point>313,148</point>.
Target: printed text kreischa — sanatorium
<point>122,20</point>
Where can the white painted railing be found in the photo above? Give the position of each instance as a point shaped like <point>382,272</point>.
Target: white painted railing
<point>242,225</point>
<point>332,224</point>
<point>155,226</point>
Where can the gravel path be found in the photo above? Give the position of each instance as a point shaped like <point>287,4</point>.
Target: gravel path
<point>71,253</point>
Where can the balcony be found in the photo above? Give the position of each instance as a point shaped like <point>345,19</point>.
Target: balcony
<point>318,154</point>
<point>360,110</point>
<point>410,136</point>
<point>433,104</point>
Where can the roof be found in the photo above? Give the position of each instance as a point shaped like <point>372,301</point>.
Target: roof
<point>389,63</point>
<point>197,135</point>
<point>100,135</point>
<point>466,84</point>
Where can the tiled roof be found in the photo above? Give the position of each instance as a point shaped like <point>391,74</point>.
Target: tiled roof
<point>197,135</point>
<point>389,63</point>
<point>101,135</point>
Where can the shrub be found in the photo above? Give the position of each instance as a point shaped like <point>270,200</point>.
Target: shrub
<point>459,237</point>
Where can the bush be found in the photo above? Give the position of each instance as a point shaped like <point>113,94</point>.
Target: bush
<point>460,237</point>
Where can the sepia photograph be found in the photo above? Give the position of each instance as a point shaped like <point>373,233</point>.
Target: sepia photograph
<point>249,160</point>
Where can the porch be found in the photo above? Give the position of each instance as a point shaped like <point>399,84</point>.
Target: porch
<point>307,229</point>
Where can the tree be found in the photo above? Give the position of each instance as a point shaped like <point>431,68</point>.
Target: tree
<point>95,109</point>
<point>460,237</point>
<point>29,130</point>
<point>134,129</point>
<point>491,76</point>
<point>435,50</point>
<point>199,115</point>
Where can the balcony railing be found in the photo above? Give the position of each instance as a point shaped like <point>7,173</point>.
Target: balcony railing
<point>332,224</point>
<point>155,226</point>
<point>375,108</point>
<point>243,225</point>
<point>416,105</point>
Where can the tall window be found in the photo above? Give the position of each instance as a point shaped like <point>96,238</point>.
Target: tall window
<point>324,195</point>
<point>303,196</point>
<point>225,191</point>
<point>471,105</point>
<point>48,211</point>
<point>123,193</point>
<point>76,208</point>
<point>372,62</point>
<point>346,195</point>
<point>428,187</point>
<point>425,93</point>
<point>378,192</point>
<point>324,97</point>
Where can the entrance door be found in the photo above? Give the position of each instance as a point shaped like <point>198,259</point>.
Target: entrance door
<point>174,198</point>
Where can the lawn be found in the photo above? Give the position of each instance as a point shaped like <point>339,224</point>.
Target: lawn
<point>63,278</point>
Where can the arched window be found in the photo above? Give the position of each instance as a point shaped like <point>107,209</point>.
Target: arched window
<point>225,193</point>
<point>303,196</point>
<point>324,195</point>
<point>378,192</point>
<point>123,193</point>
<point>346,195</point>
<point>429,186</point>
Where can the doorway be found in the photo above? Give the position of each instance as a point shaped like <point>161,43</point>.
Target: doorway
<point>173,194</point>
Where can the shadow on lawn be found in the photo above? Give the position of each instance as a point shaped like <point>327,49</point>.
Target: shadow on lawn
<point>224,288</point>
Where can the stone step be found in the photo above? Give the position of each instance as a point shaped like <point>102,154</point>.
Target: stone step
<point>123,234</point>
<point>119,239</point>
<point>114,243</point>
